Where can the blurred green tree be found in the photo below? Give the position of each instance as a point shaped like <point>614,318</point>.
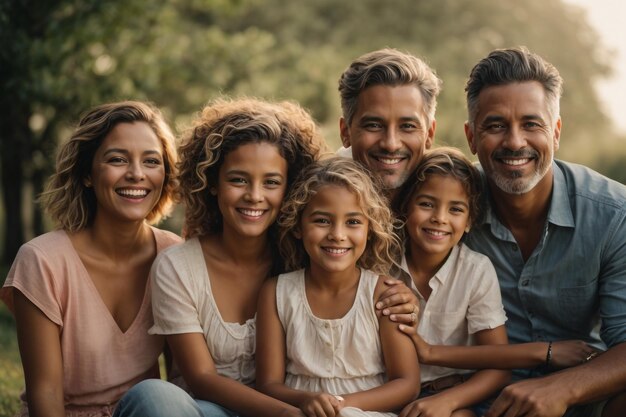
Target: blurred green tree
<point>61,57</point>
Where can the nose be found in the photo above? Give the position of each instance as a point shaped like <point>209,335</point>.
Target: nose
<point>514,138</point>
<point>439,216</point>
<point>390,141</point>
<point>254,194</point>
<point>336,234</point>
<point>135,172</point>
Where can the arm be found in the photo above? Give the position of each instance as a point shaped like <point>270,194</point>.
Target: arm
<point>397,301</point>
<point>197,367</point>
<point>40,351</point>
<point>270,360</point>
<point>523,355</point>
<point>402,370</point>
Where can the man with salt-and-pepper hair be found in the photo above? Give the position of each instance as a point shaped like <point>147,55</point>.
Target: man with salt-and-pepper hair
<point>556,234</point>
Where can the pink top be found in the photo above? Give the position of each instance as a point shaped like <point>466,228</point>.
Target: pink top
<point>100,362</point>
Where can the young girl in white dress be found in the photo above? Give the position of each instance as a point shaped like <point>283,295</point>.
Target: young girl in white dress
<point>320,344</point>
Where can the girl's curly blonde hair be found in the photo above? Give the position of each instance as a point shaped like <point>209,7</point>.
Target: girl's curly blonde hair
<point>382,246</point>
<point>220,128</point>
<point>72,205</point>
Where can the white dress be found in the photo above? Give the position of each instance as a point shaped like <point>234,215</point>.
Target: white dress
<point>182,302</point>
<point>337,356</point>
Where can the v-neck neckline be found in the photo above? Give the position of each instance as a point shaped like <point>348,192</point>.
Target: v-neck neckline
<point>98,296</point>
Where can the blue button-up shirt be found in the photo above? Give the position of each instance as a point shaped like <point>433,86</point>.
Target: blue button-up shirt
<point>574,283</point>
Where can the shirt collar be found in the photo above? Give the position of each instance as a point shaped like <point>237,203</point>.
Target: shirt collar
<point>442,274</point>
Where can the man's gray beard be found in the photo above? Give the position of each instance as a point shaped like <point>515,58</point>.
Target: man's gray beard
<point>517,185</point>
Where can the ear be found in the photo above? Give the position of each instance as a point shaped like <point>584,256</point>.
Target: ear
<point>557,133</point>
<point>430,139</point>
<point>469,134</point>
<point>344,131</point>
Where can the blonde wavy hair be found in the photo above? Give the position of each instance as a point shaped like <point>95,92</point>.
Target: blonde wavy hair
<point>72,205</point>
<point>224,125</point>
<point>382,246</point>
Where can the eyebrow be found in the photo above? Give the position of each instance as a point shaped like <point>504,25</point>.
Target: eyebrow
<point>329,214</point>
<point>246,173</point>
<point>498,118</point>
<point>367,118</point>
<point>126,152</point>
<point>430,197</point>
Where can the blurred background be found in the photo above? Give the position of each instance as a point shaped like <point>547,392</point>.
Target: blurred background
<point>61,57</point>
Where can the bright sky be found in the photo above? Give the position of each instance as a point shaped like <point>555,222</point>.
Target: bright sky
<point>607,17</point>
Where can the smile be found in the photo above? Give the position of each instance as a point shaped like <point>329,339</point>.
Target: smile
<point>336,251</point>
<point>251,213</point>
<point>515,162</point>
<point>436,233</point>
<point>132,192</point>
<point>389,161</point>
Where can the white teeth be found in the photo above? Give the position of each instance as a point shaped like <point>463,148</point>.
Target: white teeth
<point>436,232</point>
<point>132,193</point>
<point>389,161</point>
<point>515,161</point>
<point>336,251</point>
<point>251,213</point>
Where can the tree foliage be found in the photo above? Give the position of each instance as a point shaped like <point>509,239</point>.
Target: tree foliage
<point>61,57</point>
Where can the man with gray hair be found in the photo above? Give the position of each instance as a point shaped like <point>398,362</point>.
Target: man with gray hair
<point>388,100</point>
<point>556,234</point>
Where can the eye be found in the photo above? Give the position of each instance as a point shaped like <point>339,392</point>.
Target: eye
<point>532,125</point>
<point>495,127</point>
<point>354,222</point>
<point>425,204</point>
<point>372,126</point>
<point>237,180</point>
<point>457,209</point>
<point>408,126</point>
<point>273,183</point>
<point>321,220</point>
<point>152,161</point>
<point>116,160</point>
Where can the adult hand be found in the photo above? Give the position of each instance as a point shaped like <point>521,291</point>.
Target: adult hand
<point>398,302</point>
<point>433,406</point>
<point>571,353</point>
<point>537,397</point>
<point>322,405</point>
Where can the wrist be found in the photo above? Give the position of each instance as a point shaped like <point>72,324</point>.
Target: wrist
<point>548,357</point>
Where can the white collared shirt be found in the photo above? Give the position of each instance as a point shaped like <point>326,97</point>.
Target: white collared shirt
<point>465,299</point>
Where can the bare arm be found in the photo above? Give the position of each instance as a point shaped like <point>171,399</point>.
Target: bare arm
<point>397,301</point>
<point>595,380</point>
<point>40,350</point>
<point>197,367</point>
<point>478,388</point>
<point>402,370</point>
<point>270,360</point>
<point>524,355</point>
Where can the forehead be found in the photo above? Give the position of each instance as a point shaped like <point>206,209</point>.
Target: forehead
<point>260,155</point>
<point>135,135</point>
<point>514,99</point>
<point>390,101</point>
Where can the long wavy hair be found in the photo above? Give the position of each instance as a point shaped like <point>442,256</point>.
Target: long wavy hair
<point>382,246</point>
<point>72,205</point>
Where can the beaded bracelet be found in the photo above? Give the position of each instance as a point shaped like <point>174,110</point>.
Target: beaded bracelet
<point>549,354</point>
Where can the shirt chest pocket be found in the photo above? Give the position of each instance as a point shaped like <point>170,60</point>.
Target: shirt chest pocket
<point>443,327</point>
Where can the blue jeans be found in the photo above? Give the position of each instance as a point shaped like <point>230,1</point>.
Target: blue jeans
<point>157,398</point>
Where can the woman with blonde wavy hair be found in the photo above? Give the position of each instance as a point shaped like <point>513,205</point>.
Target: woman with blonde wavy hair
<point>321,346</point>
<point>237,162</point>
<point>80,294</point>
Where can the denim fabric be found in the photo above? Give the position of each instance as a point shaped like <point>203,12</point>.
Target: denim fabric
<point>157,398</point>
<point>574,283</point>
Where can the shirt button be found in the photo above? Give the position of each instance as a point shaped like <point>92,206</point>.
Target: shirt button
<point>514,247</point>
<point>525,283</point>
<point>327,325</point>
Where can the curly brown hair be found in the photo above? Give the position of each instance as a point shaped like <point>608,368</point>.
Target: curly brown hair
<point>382,246</point>
<point>72,205</point>
<point>446,161</point>
<point>224,125</point>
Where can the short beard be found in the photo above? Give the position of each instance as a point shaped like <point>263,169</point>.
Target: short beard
<point>517,185</point>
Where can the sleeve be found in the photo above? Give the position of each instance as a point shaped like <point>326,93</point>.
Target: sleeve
<point>612,281</point>
<point>174,302</point>
<point>32,275</point>
<point>485,309</point>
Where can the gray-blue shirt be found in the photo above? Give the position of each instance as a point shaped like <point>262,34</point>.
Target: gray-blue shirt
<point>574,282</point>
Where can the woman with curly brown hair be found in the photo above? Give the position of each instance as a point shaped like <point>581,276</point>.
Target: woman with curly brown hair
<point>80,294</point>
<point>237,161</point>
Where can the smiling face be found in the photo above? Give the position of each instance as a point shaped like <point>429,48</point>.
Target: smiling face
<point>333,229</point>
<point>514,136</point>
<point>437,218</point>
<point>389,131</point>
<point>127,173</point>
<point>250,189</point>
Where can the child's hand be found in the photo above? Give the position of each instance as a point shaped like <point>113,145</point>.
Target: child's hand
<point>568,353</point>
<point>321,404</point>
<point>432,406</point>
<point>398,302</point>
<point>422,348</point>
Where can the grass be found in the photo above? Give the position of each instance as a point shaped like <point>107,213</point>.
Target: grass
<point>11,375</point>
